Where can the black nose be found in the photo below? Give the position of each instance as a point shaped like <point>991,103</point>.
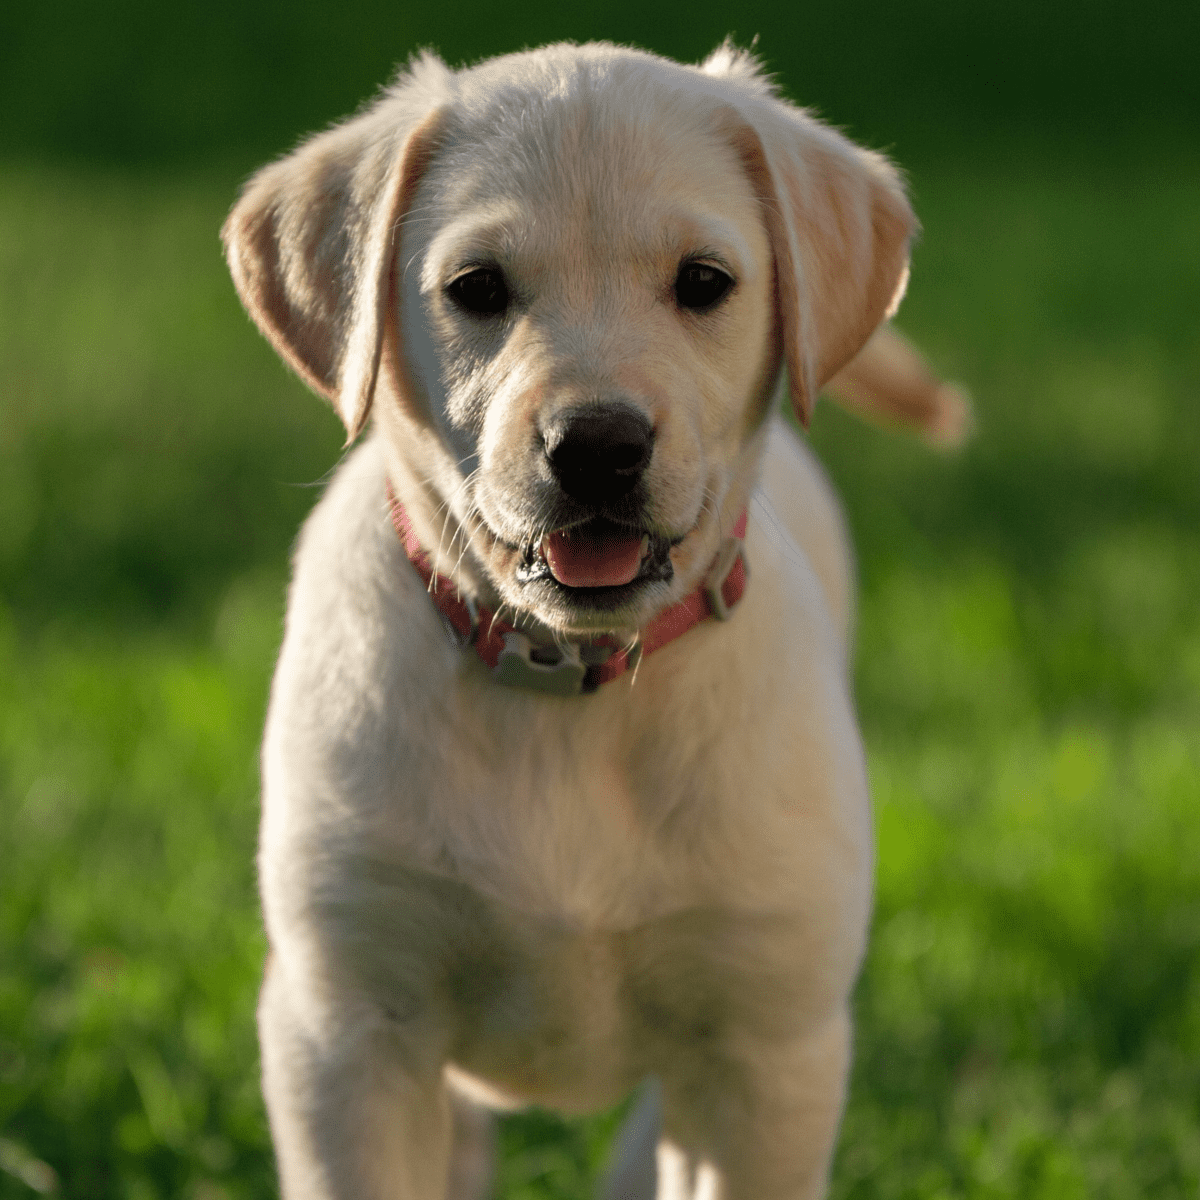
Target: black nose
<point>598,453</point>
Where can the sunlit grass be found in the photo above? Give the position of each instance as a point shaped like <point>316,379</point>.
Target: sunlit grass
<point>1028,676</point>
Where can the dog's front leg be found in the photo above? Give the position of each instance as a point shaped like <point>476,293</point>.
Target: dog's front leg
<point>356,1113</point>
<point>759,1122</point>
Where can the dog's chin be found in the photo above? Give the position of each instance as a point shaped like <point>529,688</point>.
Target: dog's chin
<point>591,611</point>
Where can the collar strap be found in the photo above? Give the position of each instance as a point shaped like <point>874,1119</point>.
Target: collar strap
<point>574,669</point>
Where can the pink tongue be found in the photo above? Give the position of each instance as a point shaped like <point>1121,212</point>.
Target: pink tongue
<point>580,558</point>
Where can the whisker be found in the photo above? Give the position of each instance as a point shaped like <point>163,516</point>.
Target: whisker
<point>447,509</point>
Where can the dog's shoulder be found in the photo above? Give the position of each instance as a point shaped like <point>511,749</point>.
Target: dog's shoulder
<point>798,507</point>
<point>350,577</point>
<point>361,640</point>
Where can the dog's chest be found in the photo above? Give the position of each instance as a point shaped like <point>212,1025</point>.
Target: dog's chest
<point>556,816</point>
<point>607,811</point>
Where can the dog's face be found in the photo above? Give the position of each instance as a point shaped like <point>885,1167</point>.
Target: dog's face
<point>603,259</point>
<point>596,344</point>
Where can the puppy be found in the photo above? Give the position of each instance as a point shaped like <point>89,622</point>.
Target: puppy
<point>562,784</point>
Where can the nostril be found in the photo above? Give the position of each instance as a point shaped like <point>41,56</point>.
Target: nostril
<point>626,457</point>
<point>599,453</point>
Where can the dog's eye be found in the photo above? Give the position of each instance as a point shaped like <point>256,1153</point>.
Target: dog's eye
<point>699,286</point>
<point>482,291</point>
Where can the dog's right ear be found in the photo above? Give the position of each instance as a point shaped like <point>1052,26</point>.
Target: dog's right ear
<point>312,239</point>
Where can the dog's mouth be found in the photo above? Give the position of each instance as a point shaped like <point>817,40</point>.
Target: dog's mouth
<point>597,560</point>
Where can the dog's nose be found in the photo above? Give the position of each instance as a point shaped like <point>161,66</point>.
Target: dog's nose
<point>598,453</point>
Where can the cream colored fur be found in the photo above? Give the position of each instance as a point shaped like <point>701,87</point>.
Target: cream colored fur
<point>480,894</point>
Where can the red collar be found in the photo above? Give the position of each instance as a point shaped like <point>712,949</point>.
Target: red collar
<point>572,670</point>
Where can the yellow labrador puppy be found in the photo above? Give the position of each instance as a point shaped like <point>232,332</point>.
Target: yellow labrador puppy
<point>563,788</point>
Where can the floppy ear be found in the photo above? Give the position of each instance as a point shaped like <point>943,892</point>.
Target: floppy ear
<point>839,224</point>
<point>311,243</point>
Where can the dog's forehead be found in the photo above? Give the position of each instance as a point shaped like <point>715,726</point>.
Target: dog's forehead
<point>642,168</point>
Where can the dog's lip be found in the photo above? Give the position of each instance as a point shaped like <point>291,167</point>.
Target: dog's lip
<point>496,538</point>
<point>532,567</point>
<point>519,559</point>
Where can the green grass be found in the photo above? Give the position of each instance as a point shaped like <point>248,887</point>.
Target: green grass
<point>1028,677</point>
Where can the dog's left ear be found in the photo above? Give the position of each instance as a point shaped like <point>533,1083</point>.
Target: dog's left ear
<point>311,242</point>
<point>839,223</point>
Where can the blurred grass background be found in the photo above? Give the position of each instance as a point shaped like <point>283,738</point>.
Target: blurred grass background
<point>1029,651</point>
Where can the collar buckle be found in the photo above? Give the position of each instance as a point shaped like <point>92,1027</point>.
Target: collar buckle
<point>714,582</point>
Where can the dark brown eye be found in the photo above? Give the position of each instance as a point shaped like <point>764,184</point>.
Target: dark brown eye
<point>482,292</point>
<point>699,286</point>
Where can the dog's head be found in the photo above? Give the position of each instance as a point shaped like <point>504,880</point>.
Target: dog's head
<point>566,281</point>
